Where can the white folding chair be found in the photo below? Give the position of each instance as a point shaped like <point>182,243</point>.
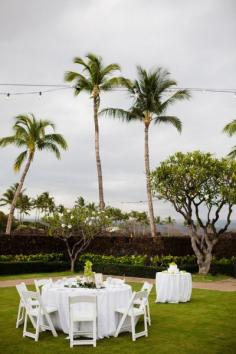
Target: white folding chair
<point>98,277</point>
<point>41,282</point>
<point>39,315</point>
<point>21,308</point>
<point>88,314</point>
<point>131,315</point>
<point>148,288</point>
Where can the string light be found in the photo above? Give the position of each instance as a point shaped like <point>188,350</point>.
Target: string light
<point>49,88</point>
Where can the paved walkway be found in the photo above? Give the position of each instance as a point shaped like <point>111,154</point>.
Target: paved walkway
<point>220,285</point>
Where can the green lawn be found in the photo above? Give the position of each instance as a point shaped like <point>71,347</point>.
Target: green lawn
<point>196,277</point>
<point>206,325</point>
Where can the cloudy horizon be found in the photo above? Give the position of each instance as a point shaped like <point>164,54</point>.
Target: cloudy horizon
<point>194,40</point>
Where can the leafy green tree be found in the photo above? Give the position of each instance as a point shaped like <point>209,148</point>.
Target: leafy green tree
<point>201,188</point>
<point>95,78</point>
<point>230,130</point>
<point>149,106</point>
<point>30,134</point>
<point>77,227</point>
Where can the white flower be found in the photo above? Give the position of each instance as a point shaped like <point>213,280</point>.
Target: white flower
<point>69,226</point>
<point>68,210</point>
<point>72,217</point>
<point>63,225</point>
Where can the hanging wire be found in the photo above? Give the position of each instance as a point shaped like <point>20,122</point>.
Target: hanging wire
<point>58,87</point>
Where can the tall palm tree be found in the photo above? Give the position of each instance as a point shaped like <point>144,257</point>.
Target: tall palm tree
<point>95,78</point>
<point>30,134</point>
<point>150,105</point>
<point>230,129</point>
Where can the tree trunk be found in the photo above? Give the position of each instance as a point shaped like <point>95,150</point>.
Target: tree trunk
<point>203,253</point>
<point>148,183</point>
<point>72,265</point>
<point>17,193</point>
<point>96,101</point>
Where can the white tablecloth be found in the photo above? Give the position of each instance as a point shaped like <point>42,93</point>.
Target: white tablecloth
<point>173,288</point>
<point>108,300</point>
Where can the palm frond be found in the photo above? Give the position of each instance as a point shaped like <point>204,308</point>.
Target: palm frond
<point>70,76</point>
<point>56,139</point>
<point>50,147</point>
<point>109,69</point>
<point>19,160</point>
<point>80,61</point>
<point>175,121</point>
<point>126,116</point>
<point>230,128</point>
<point>232,153</point>
<point>7,140</point>
<point>177,96</point>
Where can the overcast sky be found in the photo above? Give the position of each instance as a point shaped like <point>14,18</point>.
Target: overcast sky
<point>194,40</point>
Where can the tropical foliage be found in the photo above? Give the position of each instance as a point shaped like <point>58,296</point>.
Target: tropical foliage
<point>95,78</point>
<point>149,105</point>
<point>200,187</point>
<point>230,130</point>
<point>77,227</point>
<point>31,135</point>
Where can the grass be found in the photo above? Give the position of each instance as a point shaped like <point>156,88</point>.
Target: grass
<point>206,325</point>
<point>196,277</point>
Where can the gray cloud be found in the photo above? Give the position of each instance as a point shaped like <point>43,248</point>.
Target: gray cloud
<point>194,40</point>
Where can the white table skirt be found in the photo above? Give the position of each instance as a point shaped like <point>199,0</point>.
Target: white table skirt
<point>108,300</point>
<point>173,288</point>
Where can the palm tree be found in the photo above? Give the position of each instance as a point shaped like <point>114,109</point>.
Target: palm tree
<point>95,78</point>
<point>230,129</point>
<point>30,134</point>
<point>150,105</point>
<point>8,196</point>
<point>24,205</point>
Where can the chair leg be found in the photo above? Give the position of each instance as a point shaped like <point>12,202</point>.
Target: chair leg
<point>133,328</point>
<point>25,324</point>
<point>148,314</point>
<point>37,327</point>
<point>120,325</point>
<point>20,315</point>
<point>51,326</point>
<point>71,334</point>
<point>94,332</point>
<point>145,322</point>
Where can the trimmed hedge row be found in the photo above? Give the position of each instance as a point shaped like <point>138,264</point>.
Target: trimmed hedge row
<point>106,268</point>
<point>115,245</point>
<point>32,267</point>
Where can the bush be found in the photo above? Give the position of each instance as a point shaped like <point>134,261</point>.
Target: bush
<point>32,267</point>
<point>33,257</point>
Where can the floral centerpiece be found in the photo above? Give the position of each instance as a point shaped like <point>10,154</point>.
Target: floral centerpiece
<point>88,272</point>
<point>173,268</point>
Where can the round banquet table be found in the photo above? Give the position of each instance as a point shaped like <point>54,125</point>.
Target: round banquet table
<point>108,300</point>
<point>173,287</point>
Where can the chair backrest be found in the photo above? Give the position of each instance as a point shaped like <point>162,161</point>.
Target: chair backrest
<point>147,287</point>
<point>142,297</point>
<point>98,277</point>
<point>20,288</point>
<point>84,299</point>
<point>41,282</point>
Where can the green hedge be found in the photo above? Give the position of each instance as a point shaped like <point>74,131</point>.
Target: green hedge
<point>32,267</point>
<point>106,268</point>
<point>43,257</point>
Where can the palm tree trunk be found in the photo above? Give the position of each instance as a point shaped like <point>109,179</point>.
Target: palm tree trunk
<point>96,101</point>
<point>17,193</point>
<point>148,182</point>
